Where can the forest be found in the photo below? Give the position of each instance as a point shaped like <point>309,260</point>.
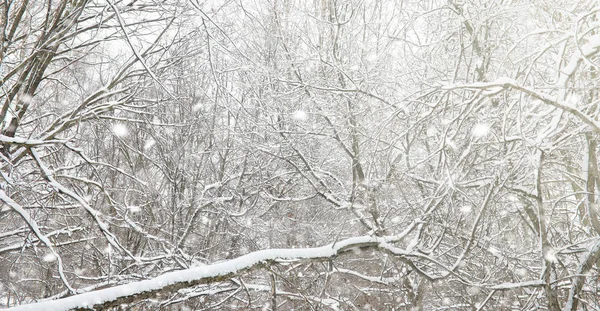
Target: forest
<point>299,155</point>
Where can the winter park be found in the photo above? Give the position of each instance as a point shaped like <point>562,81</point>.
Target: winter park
<point>271,155</point>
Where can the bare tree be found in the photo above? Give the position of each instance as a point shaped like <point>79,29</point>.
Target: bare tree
<point>196,155</point>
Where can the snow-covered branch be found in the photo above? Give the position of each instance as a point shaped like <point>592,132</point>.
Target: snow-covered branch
<point>491,88</point>
<point>173,281</point>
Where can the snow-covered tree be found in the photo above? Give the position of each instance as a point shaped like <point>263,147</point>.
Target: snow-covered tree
<point>341,155</point>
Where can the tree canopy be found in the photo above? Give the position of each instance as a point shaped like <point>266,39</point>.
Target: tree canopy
<point>299,155</point>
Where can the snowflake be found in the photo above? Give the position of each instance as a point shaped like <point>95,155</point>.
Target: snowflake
<point>120,130</point>
<point>473,290</point>
<point>149,143</point>
<point>573,99</point>
<point>431,131</point>
<point>356,250</point>
<point>26,98</point>
<point>480,130</point>
<point>372,57</point>
<point>550,255</point>
<point>300,115</point>
<point>197,107</point>
<point>108,249</point>
<point>134,208</point>
<point>50,257</point>
<point>466,209</point>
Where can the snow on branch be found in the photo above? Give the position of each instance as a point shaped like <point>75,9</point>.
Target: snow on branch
<point>490,88</point>
<point>374,279</point>
<point>173,281</point>
<point>330,303</point>
<point>584,51</point>
<point>31,223</point>
<point>509,286</point>
<point>25,141</point>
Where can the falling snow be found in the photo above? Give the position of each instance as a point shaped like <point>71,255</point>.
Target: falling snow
<point>300,115</point>
<point>521,272</point>
<point>465,209</point>
<point>473,290</point>
<point>134,208</point>
<point>197,107</point>
<point>120,130</point>
<point>480,130</point>
<point>50,257</point>
<point>149,144</point>
<point>108,249</point>
<point>26,98</point>
<point>293,156</point>
<point>432,131</point>
<point>550,255</point>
